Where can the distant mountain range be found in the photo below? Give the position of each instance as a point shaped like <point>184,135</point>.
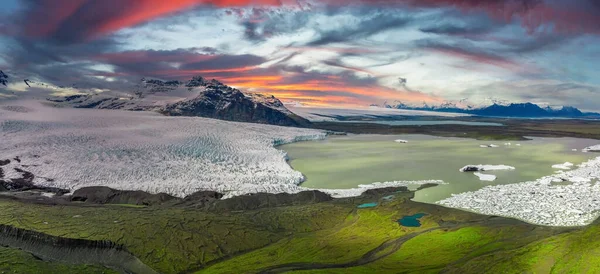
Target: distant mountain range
<point>522,110</point>
<point>197,97</point>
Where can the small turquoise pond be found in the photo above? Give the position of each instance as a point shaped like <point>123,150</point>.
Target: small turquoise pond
<point>412,220</point>
<point>367,205</point>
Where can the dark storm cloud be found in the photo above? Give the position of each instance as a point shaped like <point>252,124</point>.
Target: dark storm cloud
<point>225,62</point>
<point>453,23</point>
<point>360,30</point>
<point>469,52</point>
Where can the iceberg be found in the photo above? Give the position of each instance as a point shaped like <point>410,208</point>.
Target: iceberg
<point>595,148</point>
<point>490,145</point>
<point>472,168</point>
<point>565,166</point>
<point>485,177</point>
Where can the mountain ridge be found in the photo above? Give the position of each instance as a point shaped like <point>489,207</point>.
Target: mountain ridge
<point>198,97</point>
<point>517,110</point>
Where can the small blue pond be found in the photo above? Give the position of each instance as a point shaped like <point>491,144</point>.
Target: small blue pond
<point>412,220</point>
<point>367,205</point>
<point>389,197</point>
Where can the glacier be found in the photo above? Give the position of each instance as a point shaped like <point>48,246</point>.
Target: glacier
<point>146,151</point>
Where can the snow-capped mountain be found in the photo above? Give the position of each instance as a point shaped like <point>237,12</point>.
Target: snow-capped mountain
<point>497,109</point>
<point>3,78</point>
<point>196,97</point>
<point>444,106</point>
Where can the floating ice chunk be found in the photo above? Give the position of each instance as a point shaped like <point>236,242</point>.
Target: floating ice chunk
<point>401,141</point>
<point>565,166</point>
<point>595,148</point>
<point>471,168</point>
<point>507,144</point>
<point>485,177</point>
<point>574,149</point>
<point>490,145</point>
<point>518,145</point>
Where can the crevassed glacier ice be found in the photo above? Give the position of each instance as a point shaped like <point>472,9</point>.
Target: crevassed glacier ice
<point>147,151</point>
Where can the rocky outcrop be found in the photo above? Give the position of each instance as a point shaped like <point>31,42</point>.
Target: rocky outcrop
<point>208,200</point>
<point>22,180</point>
<point>384,191</point>
<point>264,200</point>
<point>106,195</point>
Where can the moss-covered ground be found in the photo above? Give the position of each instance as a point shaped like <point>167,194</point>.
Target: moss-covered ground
<point>17,261</point>
<point>329,237</point>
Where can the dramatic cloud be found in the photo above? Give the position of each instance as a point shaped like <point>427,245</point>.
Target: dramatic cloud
<point>76,20</point>
<point>316,52</point>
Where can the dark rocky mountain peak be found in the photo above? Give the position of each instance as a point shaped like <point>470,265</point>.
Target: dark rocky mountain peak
<point>197,97</point>
<point>223,102</point>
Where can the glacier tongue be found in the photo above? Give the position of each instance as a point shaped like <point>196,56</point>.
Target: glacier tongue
<point>147,151</point>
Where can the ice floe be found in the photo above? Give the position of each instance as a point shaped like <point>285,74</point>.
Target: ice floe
<point>401,141</point>
<point>490,145</point>
<point>595,148</point>
<point>565,166</point>
<point>540,201</point>
<point>472,168</point>
<point>485,177</point>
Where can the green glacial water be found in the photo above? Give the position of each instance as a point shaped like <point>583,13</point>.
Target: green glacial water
<point>346,161</point>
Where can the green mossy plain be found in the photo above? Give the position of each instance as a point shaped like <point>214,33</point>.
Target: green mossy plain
<point>188,240</point>
<point>17,261</point>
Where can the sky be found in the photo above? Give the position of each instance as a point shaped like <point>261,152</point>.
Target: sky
<point>320,53</point>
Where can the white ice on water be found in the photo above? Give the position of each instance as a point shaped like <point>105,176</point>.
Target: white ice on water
<point>540,201</point>
<point>485,177</point>
<point>485,168</point>
<point>565,166</point>
<point>595,148</point>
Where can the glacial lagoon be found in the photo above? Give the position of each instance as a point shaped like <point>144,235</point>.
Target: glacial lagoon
<point>342,162</point>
